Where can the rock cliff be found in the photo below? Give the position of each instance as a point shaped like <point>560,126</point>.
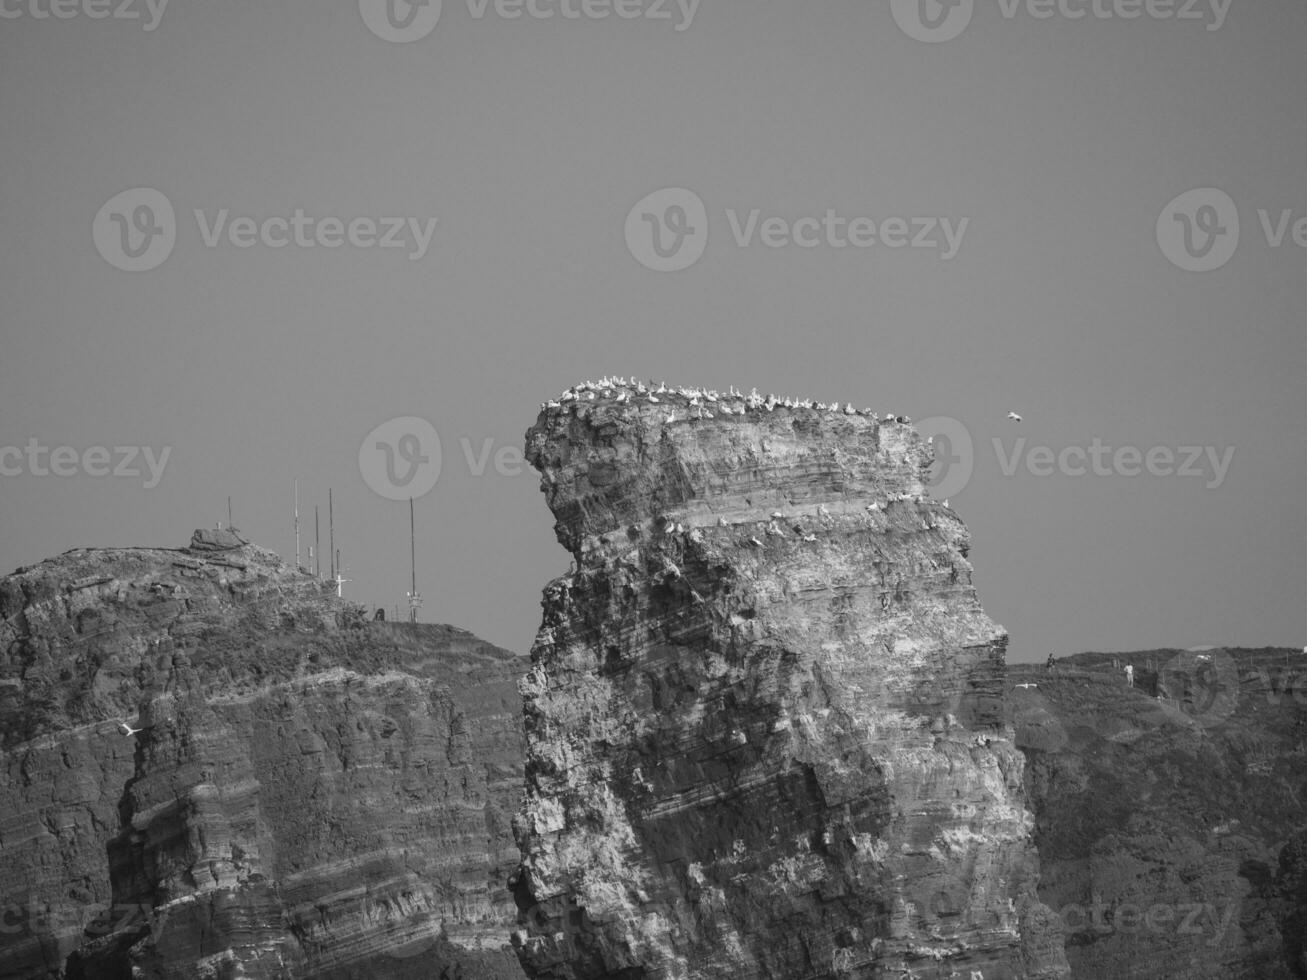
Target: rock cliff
<point>765,715</point>
<point>310,794</point>
<point>1170,814</point>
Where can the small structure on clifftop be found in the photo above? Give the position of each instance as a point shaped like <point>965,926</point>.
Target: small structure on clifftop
<point>216,539</point>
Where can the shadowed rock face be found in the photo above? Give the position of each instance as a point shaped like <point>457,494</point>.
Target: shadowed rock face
<point>774,748</point>
<point>311,794</point>
<point>1172,833</point>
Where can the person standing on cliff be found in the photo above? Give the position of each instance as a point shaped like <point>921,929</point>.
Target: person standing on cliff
<point>1129,675</point>
<point>1048,664</point>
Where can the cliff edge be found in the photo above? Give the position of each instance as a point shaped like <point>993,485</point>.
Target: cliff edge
<point>309,793</point>
<point>765,731</point>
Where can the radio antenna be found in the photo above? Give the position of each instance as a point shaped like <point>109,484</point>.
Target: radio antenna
<point>414,599</point>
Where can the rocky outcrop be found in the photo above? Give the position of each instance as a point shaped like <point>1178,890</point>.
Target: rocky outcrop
<point>1170,815</point>
<point>311,794</point>
<point>765,715</point>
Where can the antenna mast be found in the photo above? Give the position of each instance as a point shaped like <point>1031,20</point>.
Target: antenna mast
<point>297,524</point>
<point>414,599</point>
<point>340,579</point>
<point>331,533</point>
<point>317,545</point>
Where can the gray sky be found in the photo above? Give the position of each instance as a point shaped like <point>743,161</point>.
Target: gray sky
<point>1062,141</point>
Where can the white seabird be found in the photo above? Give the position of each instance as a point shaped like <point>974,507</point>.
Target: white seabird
<point>128,730</point>
<point>1013,417</point>
<point>755,542</point>
<point>1027,685</point>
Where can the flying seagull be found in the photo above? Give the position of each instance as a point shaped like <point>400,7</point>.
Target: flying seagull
<point>1027,685</point>
<point>1013,416</point>
<point>128,730</point>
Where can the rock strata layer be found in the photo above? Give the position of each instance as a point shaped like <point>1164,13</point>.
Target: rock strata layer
<point>311,794</point>
<point>1170,814</point>
<point>765,722</point>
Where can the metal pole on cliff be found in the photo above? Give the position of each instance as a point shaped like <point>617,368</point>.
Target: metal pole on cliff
<point>331,532</point>
<point>414,600</point>
<point>297,524</point>
<point>317,545</point>
<point>229,523</point>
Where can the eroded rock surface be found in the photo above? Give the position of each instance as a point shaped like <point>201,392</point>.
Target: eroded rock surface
<point>311,794</point>
<point>1172,831</point>
<point>765,731</point>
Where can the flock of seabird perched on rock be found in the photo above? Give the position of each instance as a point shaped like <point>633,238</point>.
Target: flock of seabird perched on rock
<point>703,403</point>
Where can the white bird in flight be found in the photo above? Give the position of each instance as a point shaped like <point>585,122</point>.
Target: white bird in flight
<point>128,729</point>
<point>1014,417</point>
<point>1027,685</point>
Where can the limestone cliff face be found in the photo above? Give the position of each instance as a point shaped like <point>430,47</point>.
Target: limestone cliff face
<point>1172,831</point>
<point>765,732</point>
<point>311,794</point>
